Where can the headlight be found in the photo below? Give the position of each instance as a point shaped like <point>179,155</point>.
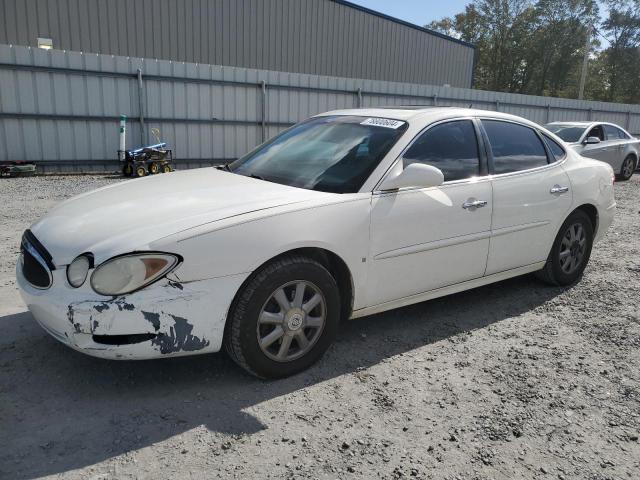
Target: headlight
<point>128,273</point>
<point>78,269</point>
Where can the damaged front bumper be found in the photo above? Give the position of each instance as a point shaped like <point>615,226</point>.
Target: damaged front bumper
<point>168,318</point>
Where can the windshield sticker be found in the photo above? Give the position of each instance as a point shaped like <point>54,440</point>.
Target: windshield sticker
<point>382,122</point>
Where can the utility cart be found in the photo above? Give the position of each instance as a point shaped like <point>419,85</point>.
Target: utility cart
<point>150,159</point>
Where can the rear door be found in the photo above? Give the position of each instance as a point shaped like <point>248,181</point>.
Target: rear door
<point>531,194</point>
<point>616,146</point>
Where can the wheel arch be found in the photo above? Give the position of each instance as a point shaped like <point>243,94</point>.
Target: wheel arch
<point>592,212</point>
<point>328,259</point>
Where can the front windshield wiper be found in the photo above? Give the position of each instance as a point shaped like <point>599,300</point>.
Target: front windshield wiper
<point>224,167</point>
<point>253,175</point>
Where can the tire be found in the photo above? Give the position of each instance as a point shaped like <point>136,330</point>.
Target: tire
<point>246,326</point>
<point>140,171</point>
<point>627,169</point>
<point>127,170</point>
<point>556,272</point>
<point>153,168</point>
<point>166,168</point>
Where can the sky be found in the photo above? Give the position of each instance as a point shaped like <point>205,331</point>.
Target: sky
<point>419,12</point>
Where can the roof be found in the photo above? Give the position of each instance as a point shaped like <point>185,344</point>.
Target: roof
<point>426,113</point>
<point>577,124</point>
<point>406,24</point>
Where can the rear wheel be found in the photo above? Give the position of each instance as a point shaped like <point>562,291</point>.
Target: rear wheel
<point>140,171</point>
<point>127,170</point>
<point>628,166</point>
<point>570,252</point>
<point>153,168</point>
<point>166,168</point>
<point>284,318</point>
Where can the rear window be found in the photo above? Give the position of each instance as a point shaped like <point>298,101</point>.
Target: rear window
<point>557,151</point>
<point>514,147</point>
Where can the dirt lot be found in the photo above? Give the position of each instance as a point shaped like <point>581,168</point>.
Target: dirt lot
<point>514,380</point>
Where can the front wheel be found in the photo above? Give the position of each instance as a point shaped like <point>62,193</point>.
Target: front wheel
<point>628,166</point>
<point>284,318</point>
<point>570,252</point>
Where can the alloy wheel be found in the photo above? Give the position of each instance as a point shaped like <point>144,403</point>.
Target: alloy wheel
<point>572,248</point>
<point>291,321</point>
<point>627,168</point>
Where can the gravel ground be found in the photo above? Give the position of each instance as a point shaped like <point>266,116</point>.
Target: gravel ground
<point>513,380</point>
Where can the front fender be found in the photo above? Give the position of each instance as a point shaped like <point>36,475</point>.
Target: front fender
<point>241,247</point>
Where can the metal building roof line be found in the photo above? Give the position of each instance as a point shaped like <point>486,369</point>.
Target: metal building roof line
<point>404,22</point>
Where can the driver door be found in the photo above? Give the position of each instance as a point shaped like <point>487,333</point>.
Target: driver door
<point>599,151</point>
<point>427,238</point>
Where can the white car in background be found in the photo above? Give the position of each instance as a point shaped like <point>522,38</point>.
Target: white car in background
<point>603,141</point>
<point>347,214</point>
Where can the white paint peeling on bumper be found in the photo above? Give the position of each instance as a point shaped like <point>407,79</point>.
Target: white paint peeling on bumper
<point>183,318</point>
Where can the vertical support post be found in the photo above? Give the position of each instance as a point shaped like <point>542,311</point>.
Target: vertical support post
<point>435,99</point>
<point>497,105</point>
<point>141,107</point>
<point>359,99</point>
<point>123,137</point>
<point>548,113</point>
<point>590,114</point>
<point>628,123</point>
<point>263,112</point>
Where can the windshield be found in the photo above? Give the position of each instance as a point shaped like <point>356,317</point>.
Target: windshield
<point>568,133</point>
<point>331,154</point>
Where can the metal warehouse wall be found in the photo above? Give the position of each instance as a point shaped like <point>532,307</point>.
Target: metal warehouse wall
<point>322,37</point>
<point>61,108</point>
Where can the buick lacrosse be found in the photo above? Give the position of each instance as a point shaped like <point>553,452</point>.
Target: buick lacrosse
<point>347,214</point>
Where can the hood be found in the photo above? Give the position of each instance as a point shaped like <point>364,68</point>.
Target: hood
<point>127,216</point>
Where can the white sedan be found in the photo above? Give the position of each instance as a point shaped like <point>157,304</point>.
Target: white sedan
<point>347,214</point>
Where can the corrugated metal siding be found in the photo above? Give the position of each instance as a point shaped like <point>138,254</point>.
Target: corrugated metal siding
<point>62,108</point>
<point>321,37</point>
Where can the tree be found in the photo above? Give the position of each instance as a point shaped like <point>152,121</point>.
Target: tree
<point>620,61</point>
<point>497,28</point>
<point>537,47</point>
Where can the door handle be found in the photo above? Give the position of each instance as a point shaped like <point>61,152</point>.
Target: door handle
<point>559,189</point>
<point>474,204</point>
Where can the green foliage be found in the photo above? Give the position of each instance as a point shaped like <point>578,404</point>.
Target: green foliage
<point>537,47</point>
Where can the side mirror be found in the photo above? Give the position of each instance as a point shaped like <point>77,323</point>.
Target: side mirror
<point>415,175</point>
<point>591,140</point>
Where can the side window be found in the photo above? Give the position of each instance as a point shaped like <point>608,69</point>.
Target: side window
<point>557,151</point>
<point>596,131</point>
<point>452,147</point>
<point>621,134</point>
<point>515,147</point>
<point>612,132</point>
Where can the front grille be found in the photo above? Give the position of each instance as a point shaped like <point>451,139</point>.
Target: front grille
<point>36,261</point>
